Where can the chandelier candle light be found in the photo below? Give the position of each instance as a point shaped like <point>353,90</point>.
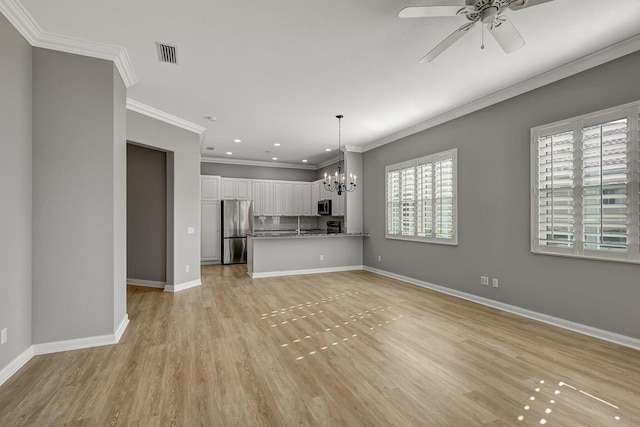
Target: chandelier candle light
<point>338,183</point>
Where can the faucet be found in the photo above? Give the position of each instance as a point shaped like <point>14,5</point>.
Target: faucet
<point>298,229</point>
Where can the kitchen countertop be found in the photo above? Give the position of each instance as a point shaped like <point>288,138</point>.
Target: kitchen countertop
<point>303,234</point>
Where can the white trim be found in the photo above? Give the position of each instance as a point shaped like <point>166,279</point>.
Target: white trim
<point>146,283</point>
<point>182,286</point>
<point>584,63</point>
<point>332,161</point>
<point>26,25</point>
<point>227,161</point>
<point>74,344</point>
<point>545,318</point>
<point>121,328</point>
<point>154,113</point>
<point>15,365</point>
<point>307,271</point>
<point>352,148</point>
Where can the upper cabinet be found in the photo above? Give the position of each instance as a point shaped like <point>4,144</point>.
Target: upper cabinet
<point>262,197</point>
<point>236,188</point>
<point>210,187</point>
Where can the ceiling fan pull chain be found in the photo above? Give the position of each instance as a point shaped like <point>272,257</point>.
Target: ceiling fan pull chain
<point>482,28</point>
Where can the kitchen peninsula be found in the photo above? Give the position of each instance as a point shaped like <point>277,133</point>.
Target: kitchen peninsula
<point>289,253</point>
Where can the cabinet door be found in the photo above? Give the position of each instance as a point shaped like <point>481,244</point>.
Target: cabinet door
<point>315,196</point>
<point>296,198</point>
<point>228,188</point>
<point>336,204</point>
<point>267,198</point>
<point>305,199</point>
<point>277,198</point>
<point>210,231</point>
<point>210,187</point>
<point>287,192</point>
<point>243,189</point>
<point>258,199</point>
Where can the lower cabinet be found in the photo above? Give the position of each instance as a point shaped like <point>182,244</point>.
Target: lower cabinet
<point>210,231</point>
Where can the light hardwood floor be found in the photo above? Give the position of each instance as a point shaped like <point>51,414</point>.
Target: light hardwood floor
<point>339,349</point>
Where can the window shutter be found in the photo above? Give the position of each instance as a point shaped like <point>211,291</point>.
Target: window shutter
<point>555,190</point>
<point>444,199</point>
<point>425,200</point>
<point>408,197</point>
<point>604,185</point>
<point>393,202</point>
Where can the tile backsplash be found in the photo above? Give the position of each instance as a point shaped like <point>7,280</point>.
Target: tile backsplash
<point>270,223</point>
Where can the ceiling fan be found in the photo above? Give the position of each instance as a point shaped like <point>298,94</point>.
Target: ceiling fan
<point>488,12</point>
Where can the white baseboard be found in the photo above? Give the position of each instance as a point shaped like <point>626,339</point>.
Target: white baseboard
<point>15,365</point>
<point>120,330</point>
<point>146,283</point>
<point>54,347</point>
<point>182,286</point>
<point>308,271</point>
<point>551,320</point>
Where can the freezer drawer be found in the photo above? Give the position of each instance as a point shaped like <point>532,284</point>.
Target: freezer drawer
<point>234,250</point>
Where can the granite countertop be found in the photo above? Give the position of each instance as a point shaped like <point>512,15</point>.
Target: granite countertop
<point>288,234</point>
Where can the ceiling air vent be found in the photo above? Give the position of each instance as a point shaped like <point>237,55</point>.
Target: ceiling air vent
<point>167,53</point>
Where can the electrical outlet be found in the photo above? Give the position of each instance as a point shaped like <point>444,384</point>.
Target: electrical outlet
<point>3,338</point>
<point>191,230</point>
<point>484,280</point>
<point>379,257</point>
<point>187,268</point>
<point>495,283</point>
<point>321,257</point>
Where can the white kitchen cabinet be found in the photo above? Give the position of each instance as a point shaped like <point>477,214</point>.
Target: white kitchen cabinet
<point>337,203</point>
<point>210,187</point>
<point>315,196</point>
<point>287,196</point>
<point>296,197</point>
<point>305,199</point>
<point>236,188</point>
<point>209,231</point>
<point>262,197</point>
<point>277,198</point>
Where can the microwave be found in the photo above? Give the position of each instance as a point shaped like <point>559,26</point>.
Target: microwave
<point>324,207</point>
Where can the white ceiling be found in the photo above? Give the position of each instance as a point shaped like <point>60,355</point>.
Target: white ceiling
<point>279,71</point>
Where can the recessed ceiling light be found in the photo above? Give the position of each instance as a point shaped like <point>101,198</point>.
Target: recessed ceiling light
<point>237,140</point>
<point>210,148</point>
<point>229,153</point>
<point>304,161</point>
<point>327,149</point>
<point>276,145</point>
<point>274,158</point>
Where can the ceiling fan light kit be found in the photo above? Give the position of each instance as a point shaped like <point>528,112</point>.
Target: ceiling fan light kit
<point>487,12</point>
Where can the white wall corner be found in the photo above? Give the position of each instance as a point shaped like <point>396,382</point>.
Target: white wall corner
<point>121,328</point>
<point>182,286</point>
<point>147,283</point>
<point>541,317</point>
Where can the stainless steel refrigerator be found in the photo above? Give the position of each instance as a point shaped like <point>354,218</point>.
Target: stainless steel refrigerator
<point>237,221</point>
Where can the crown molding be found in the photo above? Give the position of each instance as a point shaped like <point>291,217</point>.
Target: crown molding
<point>327,163</point>
<point>27,26</point>
<point>240,162</point>
<point>154,113</point>
<point>352,148</point>
<point>584,63</point>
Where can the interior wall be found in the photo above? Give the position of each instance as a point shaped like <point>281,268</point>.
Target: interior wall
<point>146,214</point>
<point>183,160</point>
<point>15,192</point>
<point>494,208</point>
<point>79,236</point>
<point>257,172</point>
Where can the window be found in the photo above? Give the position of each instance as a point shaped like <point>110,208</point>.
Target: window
<point>585,196</point>
<point>422,199</point>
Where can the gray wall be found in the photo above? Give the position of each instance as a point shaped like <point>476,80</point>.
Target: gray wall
<point>146,213</point>
<point>494,208</point>
<point>79,161</point>
<point>183,185</point>
<point>257,172</point>
<point>15,192</point>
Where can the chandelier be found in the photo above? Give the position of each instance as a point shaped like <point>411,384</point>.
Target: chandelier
<point>336,182</point>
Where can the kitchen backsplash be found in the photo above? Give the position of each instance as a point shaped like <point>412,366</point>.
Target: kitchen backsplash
<point>268,223</point>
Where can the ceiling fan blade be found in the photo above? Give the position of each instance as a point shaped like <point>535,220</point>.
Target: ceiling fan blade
<point>431,11</point>
<point>506,34</point>
<point>521,4</point>
<point>444,44</point>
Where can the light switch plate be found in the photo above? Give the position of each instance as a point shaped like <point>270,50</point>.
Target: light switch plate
<point>191,230</point>
<point>3,338</point>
